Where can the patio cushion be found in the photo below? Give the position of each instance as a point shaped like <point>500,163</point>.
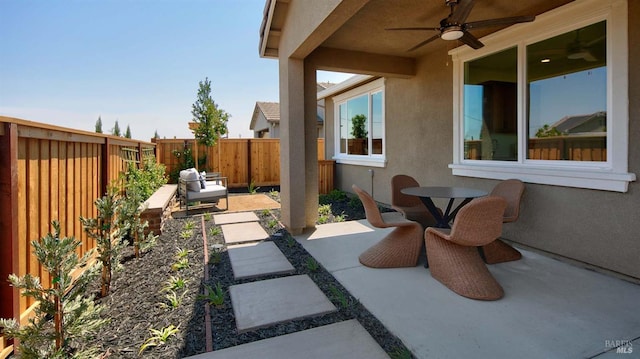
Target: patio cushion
<point>190,176</point>
<point>212,190</point>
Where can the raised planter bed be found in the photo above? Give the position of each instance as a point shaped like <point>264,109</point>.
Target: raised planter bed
<point>158,208</point>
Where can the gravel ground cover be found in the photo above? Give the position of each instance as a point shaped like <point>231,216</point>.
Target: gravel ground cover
<point>138,303</point>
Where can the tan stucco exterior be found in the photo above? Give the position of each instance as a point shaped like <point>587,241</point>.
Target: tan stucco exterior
<point>599,228</point>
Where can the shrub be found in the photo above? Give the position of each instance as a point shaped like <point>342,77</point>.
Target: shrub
<point>335,195</point>
<point>145,180</point>
<point>108,234</point>
<point>76,318</point>
<point>139,185</point>
<point>159,337</point>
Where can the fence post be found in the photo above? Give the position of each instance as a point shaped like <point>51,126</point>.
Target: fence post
<point>9,296</point>
<point>106,153</point>
<point>249,162</point>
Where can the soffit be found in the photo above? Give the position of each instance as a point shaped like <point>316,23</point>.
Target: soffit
<point>366,32</point>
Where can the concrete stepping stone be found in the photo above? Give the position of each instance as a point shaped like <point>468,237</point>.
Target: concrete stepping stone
<point>248,261</point>
<point>344,340</point>
<point>238,217</point>
<point>243,232</point>
<point>262,303</point>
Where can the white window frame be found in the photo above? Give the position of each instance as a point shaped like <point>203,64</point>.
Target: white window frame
<point>611,175</point>
<point>370,160</point>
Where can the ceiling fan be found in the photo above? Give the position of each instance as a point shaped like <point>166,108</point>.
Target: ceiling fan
<point>579,48</point>
<point>454,27</point>
<point>582,50</point>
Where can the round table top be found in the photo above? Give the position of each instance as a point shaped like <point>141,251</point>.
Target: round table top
<point>444,192</point>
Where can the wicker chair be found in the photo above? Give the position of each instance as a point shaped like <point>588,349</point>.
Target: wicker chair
<point>498,251</point>
<point>401,247</point>
<point>453,258</point>
<point>411,207</point>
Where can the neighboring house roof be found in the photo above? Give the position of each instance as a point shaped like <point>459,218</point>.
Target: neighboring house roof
<point>595,122</point>
<point>270,111</point>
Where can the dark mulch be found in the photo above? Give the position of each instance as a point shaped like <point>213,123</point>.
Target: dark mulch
<point>135,302</point>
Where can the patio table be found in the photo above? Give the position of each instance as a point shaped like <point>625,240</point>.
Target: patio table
<point>426,193</point>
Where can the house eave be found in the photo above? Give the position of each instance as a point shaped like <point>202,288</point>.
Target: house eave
<point>344,85</point>
<point>268,34</point>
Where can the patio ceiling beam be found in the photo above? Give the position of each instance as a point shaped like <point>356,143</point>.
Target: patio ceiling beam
<point>358,62</point>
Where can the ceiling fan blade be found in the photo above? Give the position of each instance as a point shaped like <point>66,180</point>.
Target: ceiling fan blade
<point>424,42</point>
<point>413,28</point>
<point>588,56</point>
<point>596,40</point>
<point>471,40</point>
<point>461,11</point>
<point>497,22</point>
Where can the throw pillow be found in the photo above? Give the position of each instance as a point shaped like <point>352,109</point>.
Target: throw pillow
<point>193,180</point>
<point>203,180</point>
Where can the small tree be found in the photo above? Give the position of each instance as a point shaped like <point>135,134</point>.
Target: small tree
<point>116,129</point>
<point>75,317</point>
<point>99,125</point>
<point>127,133</point>
<point>548,131</point>
<point>128,216</point>
<point>211,121</point>
<point>107,234</point>
<point>155,135</point>
<point>359,121</point>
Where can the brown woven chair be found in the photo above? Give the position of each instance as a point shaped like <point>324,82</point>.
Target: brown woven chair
<point>400,248</point>
<point>498,251</point>
<point>453,257</point>
<point>411,207</point>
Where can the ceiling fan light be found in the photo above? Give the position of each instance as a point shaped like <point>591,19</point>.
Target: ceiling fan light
<point>452,33</point>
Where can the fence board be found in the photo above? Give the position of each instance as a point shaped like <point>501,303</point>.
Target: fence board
<point>62,183</point>
<point>44,212</point>
<point>23,245</point>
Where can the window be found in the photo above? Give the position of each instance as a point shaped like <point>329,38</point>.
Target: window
<point>543,101</point>
<point>360,125</point>
<point>567,96</point>
<point>490,107</point>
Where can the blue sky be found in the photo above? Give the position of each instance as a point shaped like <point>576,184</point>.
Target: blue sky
<point>137,62</point>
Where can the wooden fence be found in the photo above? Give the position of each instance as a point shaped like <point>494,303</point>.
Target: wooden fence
<point>570,148</point>
<point>49,173</point>
<point>242,161</point>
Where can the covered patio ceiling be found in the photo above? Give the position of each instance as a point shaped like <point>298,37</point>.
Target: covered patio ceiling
<point>365,31</point>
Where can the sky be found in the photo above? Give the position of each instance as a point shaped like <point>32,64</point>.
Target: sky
<point>138,62</point>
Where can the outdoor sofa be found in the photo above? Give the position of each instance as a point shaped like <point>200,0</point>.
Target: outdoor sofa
<point>197,186</point>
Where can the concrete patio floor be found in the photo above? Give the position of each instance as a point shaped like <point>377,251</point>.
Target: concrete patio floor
<point>551,309</point>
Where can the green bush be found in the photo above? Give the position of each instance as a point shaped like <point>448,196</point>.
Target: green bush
<point>335,195</point>
<point>145,180</point>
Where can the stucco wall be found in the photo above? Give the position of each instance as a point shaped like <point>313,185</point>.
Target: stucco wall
<point>596,227</point>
